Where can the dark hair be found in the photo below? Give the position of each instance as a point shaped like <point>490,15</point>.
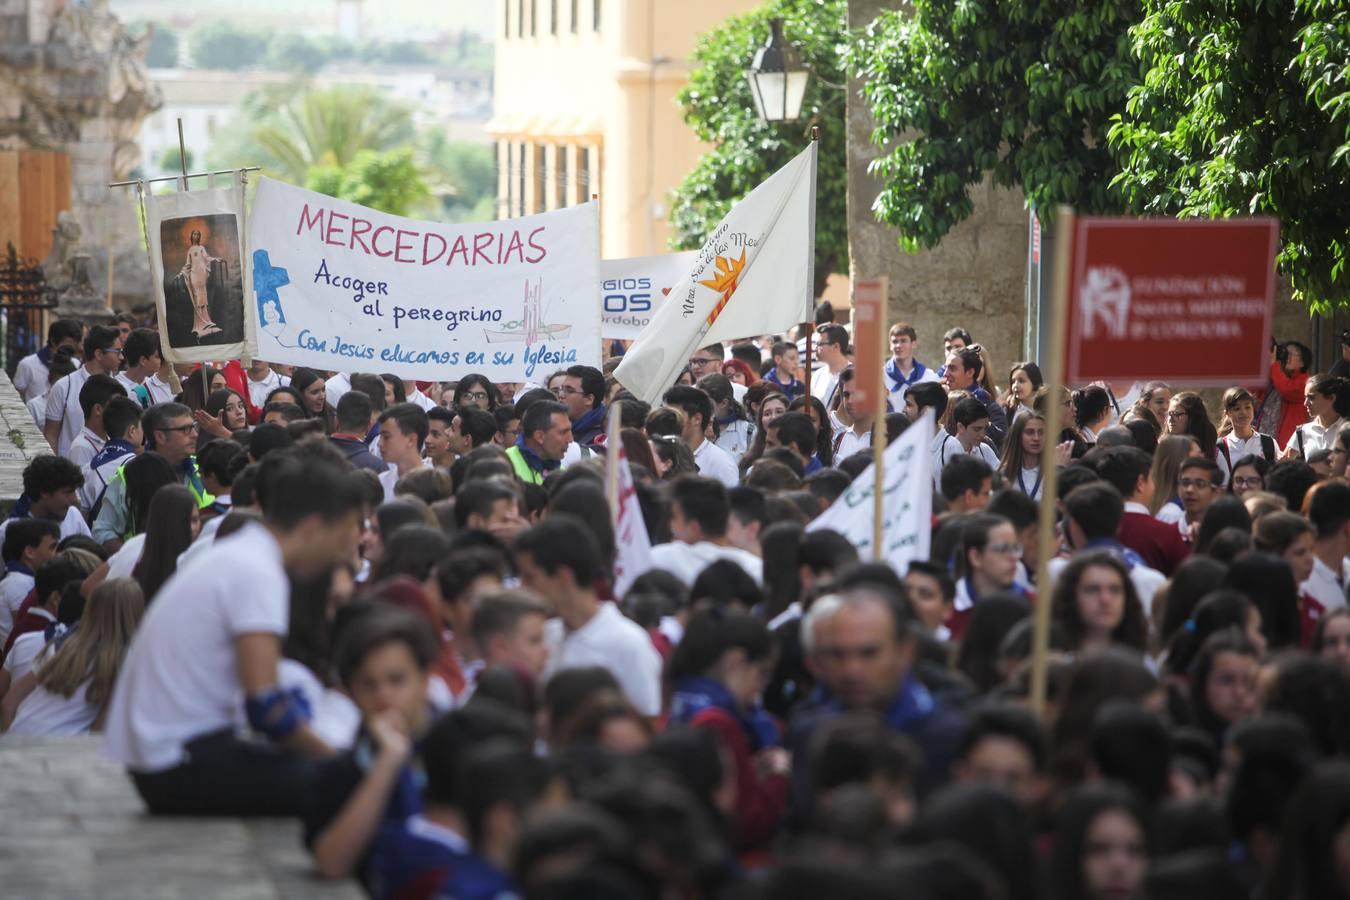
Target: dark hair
<point>469,381</point>
<point>47,474</point>
<point>1131,744</point>
<point>1268,581</point>
<point>834,334</point>
<point>857,747</point>
<point>269,437</point>
<point>592,382</point>
<point>1309,861</point>
<point>1072,826</point>
<point>796,429</point>
<point>354,410</point>
<point>1292,480</point>
<point>962,473</point>
<point>990,621</point>
<point>411,550</point>
<point>1094,679</point>
<point>1008,721</point>
<point>196,387</point>
<point>57,572</point>
<point>968,410</point>
<point>1316,690</point>
<point>1226,511</point>
<point>458,570</point>
<point>1330,508</point>
<point>1194,579</point>
<point>140,344</point>
<point>144,476</point>
<point>97,391</point>
<point>119,416</point>
<point>410,419</point>
<point>1209,466</point>
<point>167,535</point>
<point>1335,387</point>
<point>691,401</point>
<point>380,624</point>
<point>724,585</point>
<point>290,391</point>
<point>1014,506</point>
<point>538,416</point>
<point>929,395</point>
<point>501,612</point>
<point>1090,404</point>
<point>562,542</point>
<point>100,337</point>
<point>1097,508</point>
<point>1229,640</point>
<point>1219,610</point>
<point>711,634</point>
<point>991,824</point>
<point>478,497</point>
<point>395,384</point>
<point>1198,424</point>
<point>585,499</point>
<point>64,329</point>
<point>493,771</point>
<point>478,425</point>
<point>702,500</point>
<point>20,534</point>
<point>308,479</point>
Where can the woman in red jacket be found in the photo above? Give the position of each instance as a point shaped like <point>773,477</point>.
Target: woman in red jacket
<point>717,673</point>
<point>1289,379</point>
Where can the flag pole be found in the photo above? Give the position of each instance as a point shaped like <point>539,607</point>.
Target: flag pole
<point>612,440</point>
<point>1054,413</point>
<point>810,319</point>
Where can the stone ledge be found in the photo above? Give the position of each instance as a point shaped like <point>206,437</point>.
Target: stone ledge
<point>20,442</point>
<point>72,826</point>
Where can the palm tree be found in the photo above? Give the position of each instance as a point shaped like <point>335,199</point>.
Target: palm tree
<point>328,127</point>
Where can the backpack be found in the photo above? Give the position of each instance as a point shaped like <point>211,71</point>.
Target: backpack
<point>1267,449</point>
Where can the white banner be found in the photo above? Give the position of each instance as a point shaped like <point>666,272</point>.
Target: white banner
<point>907,507</point>
<point>633,289</point>
<point>201,273</point>
<point>634,545</point>
<point>346,288</point>
<point>752,276</point>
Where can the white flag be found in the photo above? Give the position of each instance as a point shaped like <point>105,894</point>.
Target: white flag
<point>634,545</point>
<point>907,508</point>
<point>754,275</point>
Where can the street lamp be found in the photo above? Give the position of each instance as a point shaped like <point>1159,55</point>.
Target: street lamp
<point>778,78</point>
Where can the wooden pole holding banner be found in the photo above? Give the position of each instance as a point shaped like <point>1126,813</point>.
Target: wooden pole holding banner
<point>110,274</point>
<point>1053,367</point>
<point>879,427</point>
<point>810,319</point>
<point>612,444</point>
<point>869,386</point>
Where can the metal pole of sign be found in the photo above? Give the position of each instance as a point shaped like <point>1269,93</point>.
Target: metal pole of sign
<point>1054,414</point>
<point>810,319</point>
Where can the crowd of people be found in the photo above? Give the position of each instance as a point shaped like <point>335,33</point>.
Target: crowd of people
<point>387,608</point>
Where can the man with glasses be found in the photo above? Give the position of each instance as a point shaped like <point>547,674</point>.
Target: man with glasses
<point>1198,485</point>
<point>170,432</point>
<point>832,351</point>
<point>583,393</point>
<point>65,419</point>
<point>708,361</point>
<point>990,554</point>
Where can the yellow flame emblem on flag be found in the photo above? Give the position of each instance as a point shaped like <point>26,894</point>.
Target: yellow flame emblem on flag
<point>728,273</point>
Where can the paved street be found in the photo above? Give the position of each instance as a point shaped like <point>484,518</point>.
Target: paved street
<point>72,827</point>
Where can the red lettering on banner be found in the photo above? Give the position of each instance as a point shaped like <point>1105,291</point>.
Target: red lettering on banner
<point>310,222</point>
<point>360,227</point>
<point>334,228</point>
<point>542,251</point>
<point>481,242</point>
<point>375,241</point>
<point>399,247</point>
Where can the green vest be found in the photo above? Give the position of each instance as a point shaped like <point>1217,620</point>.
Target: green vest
<point>193,483</point>
<point>522,468</point>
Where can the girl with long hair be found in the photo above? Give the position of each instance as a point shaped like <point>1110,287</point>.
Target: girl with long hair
<point>824,428</point>
<point>1096,605</point>
<point>1187,415</point>
<point>1167,459</point>
<point>1092,411</point>
<point>734,430</point>
<point>199,385</point>
<point>314,397</point>
<point>1024,380</point>
<point>771,407</point>
<point>174,523</point>
<point>75,676</point>
<point>1327,402</point>
<point>226,412</point>
<point>1021,462</point>
<point>1154,399</point>
<point>738,371</point>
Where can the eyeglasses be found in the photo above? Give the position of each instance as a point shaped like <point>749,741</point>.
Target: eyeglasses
<point>567,390</point>
<point>667,438</point>
<point>474,395</point>
<point>117,350</point>
<point>1010,549</point>
<point>1196,484</point>
<point>1247,482</point>
<point>700,362</point>
<point>182,429</point>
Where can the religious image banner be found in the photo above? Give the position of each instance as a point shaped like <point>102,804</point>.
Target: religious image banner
<point>345,288</point>
<point>199,254</point>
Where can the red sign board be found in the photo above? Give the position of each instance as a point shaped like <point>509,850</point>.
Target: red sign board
<point>869,317</point>
<point>1186,301</point>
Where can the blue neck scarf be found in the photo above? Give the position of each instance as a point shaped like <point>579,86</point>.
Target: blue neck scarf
<point>893,373</point>
<point>534,460</point>
<point>1116,549</point>
<point>911,705</point>
<point>23,507</point>
<point>45,356</point>
<point>116,448</point>
<point>693,695</point>
<point>593,419</point>
<point>789,385</point>
<point>19,568</point>
<point>813,465</point>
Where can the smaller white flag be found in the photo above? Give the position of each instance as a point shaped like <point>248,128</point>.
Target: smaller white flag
<point>907,507</point>
<point>634,545</point>
<point>753,276</point>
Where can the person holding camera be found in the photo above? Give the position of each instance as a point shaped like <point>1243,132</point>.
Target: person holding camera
<point>1289,378</point>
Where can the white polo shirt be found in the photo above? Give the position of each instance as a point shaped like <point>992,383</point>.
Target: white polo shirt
<point>84,448</point>
<point>30,377</point>
<point>1325,585</point>
<point>615,643</point>
<point>63,405</point>
<point>714,462</point>
<point>258,390</point>
<point>180,679</point>
<point>687,561</point>
<point>946,447</point>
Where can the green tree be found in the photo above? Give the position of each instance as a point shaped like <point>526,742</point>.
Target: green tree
<point>718,105</point>
<point>163,50</point>
<point>221,44</point>
<point>1022,90</point>
<point>170,164</point>
<point>462,176</point>
<point>1246,110</point>
<point>329,127</point>
<point>388,181</point>
<point>288,51</point>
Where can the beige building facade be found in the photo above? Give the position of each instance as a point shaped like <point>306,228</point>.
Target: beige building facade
<point>585,104</point>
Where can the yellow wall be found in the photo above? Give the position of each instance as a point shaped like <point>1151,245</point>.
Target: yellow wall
<point>609,93</point>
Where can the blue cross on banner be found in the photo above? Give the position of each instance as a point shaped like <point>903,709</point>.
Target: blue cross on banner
<point>266,280</point>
